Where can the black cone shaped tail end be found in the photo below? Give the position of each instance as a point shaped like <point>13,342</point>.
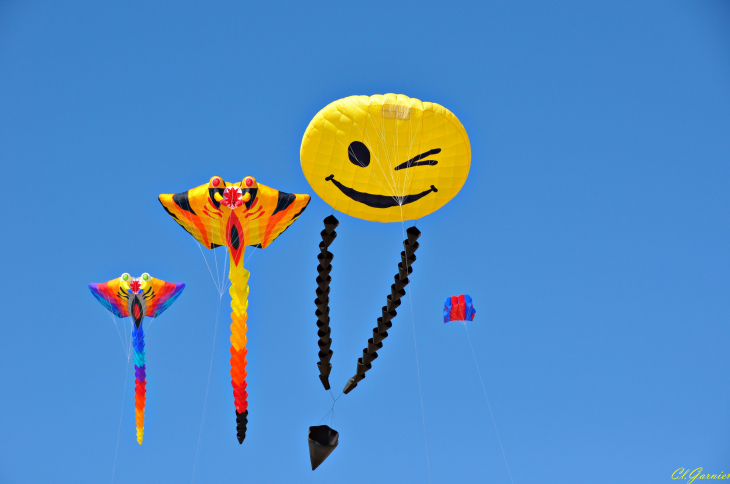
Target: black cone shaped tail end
<point>349,385</point>
<point>322,441</point>
<point>325,381</point>
<point>241,422</point>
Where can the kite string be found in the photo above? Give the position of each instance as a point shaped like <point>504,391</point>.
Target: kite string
<point>418,367</point>
<point>488,405</point>
<point>207,387</point>
<point>123,341</point>
<point>334,402</point>
<point>200,247</point>
<point>121,414</point>
<point>331,411</point>
<point>217,273</point>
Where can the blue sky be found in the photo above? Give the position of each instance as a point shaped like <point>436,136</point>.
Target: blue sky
<point>592,234</point>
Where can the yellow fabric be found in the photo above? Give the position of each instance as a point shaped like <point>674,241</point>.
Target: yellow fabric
<point>239,304</point>
<point>139,417</point>
<point>209,223</point>
<point>395,129</point>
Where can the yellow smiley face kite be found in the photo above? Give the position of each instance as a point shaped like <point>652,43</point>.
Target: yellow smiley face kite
<point>385,158</point>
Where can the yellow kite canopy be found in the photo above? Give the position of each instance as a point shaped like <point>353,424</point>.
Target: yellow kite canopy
<point>385,158</point>
<point>235,215</point>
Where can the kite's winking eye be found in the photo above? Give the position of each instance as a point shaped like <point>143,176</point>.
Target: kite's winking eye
<point>125,277</point>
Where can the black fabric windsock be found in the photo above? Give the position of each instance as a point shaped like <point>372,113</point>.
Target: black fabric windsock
<point>397,291</point>
<point>322,301</point>
<point>322,441</point>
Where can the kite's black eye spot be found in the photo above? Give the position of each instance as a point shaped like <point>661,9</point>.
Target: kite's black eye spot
<point>234,237</point>
<point>359,154</point>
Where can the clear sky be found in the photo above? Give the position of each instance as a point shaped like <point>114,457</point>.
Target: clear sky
<point>592,233</point>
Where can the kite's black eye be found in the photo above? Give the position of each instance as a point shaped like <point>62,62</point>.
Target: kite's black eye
<point>359,154</point>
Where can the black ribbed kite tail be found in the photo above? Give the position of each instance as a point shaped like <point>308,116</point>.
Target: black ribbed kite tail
<point>241,423</point>
<point>397,291</point>
<point>322,301</point>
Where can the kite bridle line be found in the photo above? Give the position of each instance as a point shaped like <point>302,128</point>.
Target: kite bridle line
<point>125,344</point>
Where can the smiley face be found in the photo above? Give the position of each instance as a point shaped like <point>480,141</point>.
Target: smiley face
<point>385,158</point>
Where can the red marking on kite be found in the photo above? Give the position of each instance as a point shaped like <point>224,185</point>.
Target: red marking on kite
<point>232,197</point>
<point>249,213</point>
<point>458,308</point>
<point>212,208</point>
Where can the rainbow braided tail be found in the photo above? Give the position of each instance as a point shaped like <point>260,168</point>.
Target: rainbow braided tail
<point>140,377</point>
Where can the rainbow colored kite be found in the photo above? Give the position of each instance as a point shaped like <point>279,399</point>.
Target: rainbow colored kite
<point>137,297</point>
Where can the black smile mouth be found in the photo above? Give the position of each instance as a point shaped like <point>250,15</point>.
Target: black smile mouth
<point>379,201</point>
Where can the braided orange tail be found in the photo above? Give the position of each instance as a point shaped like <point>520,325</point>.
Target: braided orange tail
<point>239,304</point>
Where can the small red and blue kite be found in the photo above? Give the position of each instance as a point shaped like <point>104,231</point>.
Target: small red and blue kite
<point>459,308</point>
